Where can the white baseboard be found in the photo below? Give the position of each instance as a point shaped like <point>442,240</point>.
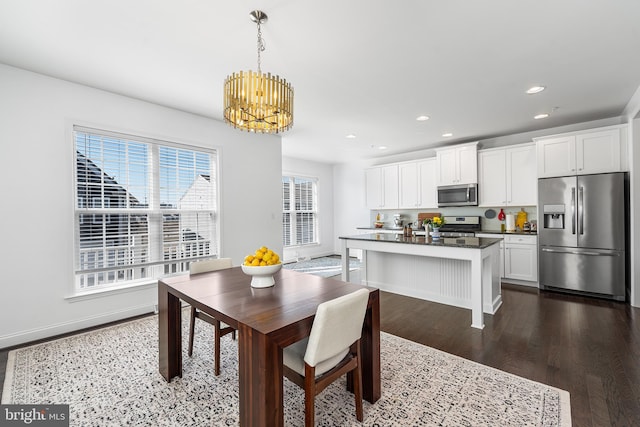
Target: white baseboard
<point>49,331</point>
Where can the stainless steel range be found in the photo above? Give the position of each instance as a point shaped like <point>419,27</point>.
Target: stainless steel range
<point>460,226</point>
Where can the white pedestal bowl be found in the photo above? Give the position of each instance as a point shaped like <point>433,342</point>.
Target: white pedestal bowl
<point>262,277</point>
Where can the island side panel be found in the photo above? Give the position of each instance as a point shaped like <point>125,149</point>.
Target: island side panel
<point>447,281</point>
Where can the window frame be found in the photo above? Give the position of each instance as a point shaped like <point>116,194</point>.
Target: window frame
<point>153,210</point>
<point>293,211</point>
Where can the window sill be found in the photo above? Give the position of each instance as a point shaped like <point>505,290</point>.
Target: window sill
<point>304,245</point>
<point>122,289</point>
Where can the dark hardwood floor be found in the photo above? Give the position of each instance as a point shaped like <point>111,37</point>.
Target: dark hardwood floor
<point>587,346</point>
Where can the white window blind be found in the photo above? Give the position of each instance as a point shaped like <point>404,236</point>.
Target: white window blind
<point>299,211</point>
<point>144,208</point>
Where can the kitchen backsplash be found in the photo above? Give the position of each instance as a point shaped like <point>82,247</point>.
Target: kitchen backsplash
<point>410,215</point>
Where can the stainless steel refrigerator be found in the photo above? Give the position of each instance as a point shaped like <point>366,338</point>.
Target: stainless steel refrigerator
<point>582,234</point>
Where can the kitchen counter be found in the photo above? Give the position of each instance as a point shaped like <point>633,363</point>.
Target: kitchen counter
<point>455,242</point>
<point>462,272</point>
<point>521,233</point>
<point>382,228</point>
<point>422,231</point>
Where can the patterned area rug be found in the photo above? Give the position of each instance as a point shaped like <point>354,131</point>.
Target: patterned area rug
<point>324,266</point>
<point>109,377</point>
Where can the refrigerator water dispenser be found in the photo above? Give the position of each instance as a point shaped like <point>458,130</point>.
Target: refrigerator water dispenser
<point>553,216</point>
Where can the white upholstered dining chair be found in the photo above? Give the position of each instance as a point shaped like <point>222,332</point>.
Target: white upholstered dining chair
<point>331,350</point>
<point>219,329</point>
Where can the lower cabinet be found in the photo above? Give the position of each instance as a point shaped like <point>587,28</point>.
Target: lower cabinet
<point>518,257</point>
<point>521,258</point>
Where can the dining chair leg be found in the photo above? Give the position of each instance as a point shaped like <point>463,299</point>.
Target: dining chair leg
<point>216,333</point>
<point>192,326</point>
<point>309,395</point>
<point>357,386</point>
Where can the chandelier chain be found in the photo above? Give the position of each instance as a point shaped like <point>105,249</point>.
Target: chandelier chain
<point>260,45</point>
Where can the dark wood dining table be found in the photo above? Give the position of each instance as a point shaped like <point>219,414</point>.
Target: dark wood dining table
<point>267,320</point>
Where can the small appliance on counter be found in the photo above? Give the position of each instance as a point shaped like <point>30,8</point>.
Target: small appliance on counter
<point>397,220</point>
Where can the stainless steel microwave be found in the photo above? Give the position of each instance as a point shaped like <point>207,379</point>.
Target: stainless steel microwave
<point>458,195</point>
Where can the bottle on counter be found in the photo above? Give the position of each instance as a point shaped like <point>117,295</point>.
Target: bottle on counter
<point>521,218</point>
<point>408,231</point>
<point>501,218</point>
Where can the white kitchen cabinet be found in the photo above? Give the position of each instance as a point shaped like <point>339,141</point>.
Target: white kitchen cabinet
<point>521,257</point>
<point>457,165</point>
<point>382,187</point>
<point>556,156</point>
<point>417,184</point>
<point>508,176</point>
<point>580,153</point>
<point>598,152</point>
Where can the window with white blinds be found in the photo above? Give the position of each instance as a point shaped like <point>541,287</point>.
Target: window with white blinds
<point>299,211</point>
<point>144,208</point>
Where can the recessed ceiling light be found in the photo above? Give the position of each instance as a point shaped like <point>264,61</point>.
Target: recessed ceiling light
<point>422,118</point>
<point>541,116</point>
<point>382,147</point>
<point>447,135</point>
<point>535,89</point>
<point>351,136</point>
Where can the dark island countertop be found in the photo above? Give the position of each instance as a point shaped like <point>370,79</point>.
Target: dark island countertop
<point>421,230</point>
<point>455,242</point>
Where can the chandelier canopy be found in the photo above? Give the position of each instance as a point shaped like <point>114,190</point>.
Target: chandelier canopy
<point>258,102</point>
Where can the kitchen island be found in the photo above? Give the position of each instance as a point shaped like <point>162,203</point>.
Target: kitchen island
<point>461,271</point>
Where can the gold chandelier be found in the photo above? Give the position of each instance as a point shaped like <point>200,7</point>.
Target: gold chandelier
<point>258,102</point>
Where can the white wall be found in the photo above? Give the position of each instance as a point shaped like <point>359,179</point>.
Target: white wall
<point>350,209</point>
<point>36,190</point>
<point>634,232</point>
<point>324,173</point>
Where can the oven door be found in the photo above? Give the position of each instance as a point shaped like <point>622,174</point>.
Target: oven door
<point>458,195</point>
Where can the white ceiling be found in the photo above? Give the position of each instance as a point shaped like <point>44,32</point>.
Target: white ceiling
<point>367,67</point>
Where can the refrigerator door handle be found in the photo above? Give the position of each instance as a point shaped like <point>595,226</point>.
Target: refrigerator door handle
<point>581,210</point>
<point>557,251</point>
<point>573,210</point>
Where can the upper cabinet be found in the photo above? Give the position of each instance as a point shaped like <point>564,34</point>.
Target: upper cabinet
<point>417,184</point>
<point>508,176</point>
<point>457,165</point>
<point>382,187</point>
<point>580,153</point>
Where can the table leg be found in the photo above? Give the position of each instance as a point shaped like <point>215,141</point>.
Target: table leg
<point>370,347</point>
<point>260,379</point>
<point>169,333</point>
